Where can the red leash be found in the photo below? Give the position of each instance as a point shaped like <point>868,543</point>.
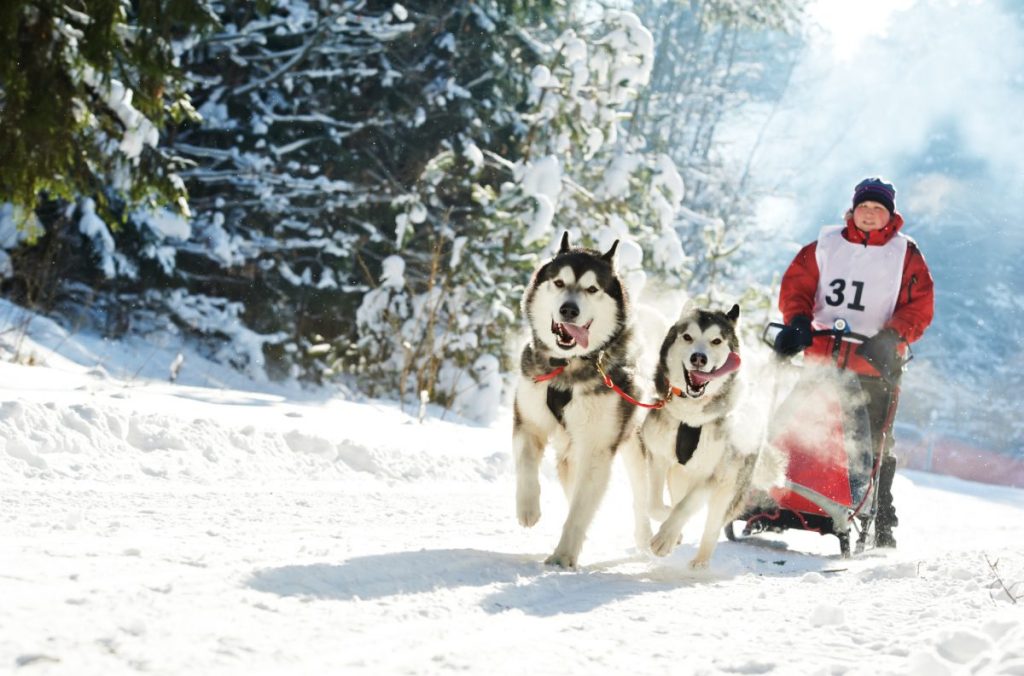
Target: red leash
<point>608,382</point>
<point>731,364</point>
<point>619,391</point>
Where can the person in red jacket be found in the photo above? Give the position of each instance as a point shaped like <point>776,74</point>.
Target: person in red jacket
<point>875,279</point>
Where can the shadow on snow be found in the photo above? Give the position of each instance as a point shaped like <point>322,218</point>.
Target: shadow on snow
<point>524,583</point>
<point>382,575</point>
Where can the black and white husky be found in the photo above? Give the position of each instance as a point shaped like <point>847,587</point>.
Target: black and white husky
<point>580,327</point>
<point>698,443</point>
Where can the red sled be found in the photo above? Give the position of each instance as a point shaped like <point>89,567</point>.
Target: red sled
<point>824,430</point>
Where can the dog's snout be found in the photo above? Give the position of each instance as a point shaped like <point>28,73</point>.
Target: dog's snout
<point>698,360</point>
<point>569,311</point>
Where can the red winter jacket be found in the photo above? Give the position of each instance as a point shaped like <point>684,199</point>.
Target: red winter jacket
<point>914,307</point>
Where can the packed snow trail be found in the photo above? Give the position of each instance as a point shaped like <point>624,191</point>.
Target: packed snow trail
<point>432,576</point>
<point>167,529</point>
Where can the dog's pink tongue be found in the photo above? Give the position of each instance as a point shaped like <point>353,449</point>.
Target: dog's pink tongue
<point>731,364</point>
<point>580,333</point>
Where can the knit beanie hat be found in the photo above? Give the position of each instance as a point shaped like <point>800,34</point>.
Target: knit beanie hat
<point>875,190</point>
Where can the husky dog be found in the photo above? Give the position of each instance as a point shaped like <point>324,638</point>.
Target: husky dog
<point>580,327</point>
<point>693,442</point>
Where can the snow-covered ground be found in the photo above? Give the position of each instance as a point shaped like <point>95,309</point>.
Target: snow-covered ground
<point>216,527</point>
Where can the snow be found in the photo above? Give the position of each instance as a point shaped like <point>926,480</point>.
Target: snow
<point>93,227</point>
<point>575,54</point>
<point>475,156</point>
<point>207,314</point>
<point>633,48</point>
<point>166,224</point>
<point>616,179</point>
<point>540,76</point>
<point>542,181</point>
<point>15,228</point>
<point>668,190</point>
<point>217,525</point>
<point>392,275</point>
<point>139,131</point>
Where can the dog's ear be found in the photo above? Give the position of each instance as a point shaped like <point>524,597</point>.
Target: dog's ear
<point>609,255</point>
<point>734,313</point>
<point>564,246</point>
<point>689,307</point>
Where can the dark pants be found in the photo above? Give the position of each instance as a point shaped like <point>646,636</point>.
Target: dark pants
<point>881,408</point>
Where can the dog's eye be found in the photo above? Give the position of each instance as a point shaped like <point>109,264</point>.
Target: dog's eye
<point>559,283</point>
<point>716,341</point>
<point>687,337</point>
<point>592,289</point>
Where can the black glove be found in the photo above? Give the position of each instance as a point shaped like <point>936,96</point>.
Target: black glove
<point>794,337</point>
<point>880,351</point>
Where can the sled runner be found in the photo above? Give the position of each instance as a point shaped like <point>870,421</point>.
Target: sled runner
<point>824,429</point>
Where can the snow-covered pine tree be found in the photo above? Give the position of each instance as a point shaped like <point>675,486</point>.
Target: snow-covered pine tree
<point>319,120</point>
<point>374,182</point>
<point>715,57</point>
<point>85,89</point>
<point>442,320</point>
<point>336,139</point>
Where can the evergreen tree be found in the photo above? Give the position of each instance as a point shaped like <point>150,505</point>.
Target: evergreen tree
<point>373,182</point>
<point>85,88</point>
<point>318,122</point>
<point>403,165</point>
<point>442,321</point>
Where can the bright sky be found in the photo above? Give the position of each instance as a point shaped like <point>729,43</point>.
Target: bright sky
<point>849,22</point>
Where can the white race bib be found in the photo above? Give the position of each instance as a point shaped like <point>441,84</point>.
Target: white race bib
<point>857,283</point>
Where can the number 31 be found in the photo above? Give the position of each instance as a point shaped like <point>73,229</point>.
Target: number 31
<point>837,296</point>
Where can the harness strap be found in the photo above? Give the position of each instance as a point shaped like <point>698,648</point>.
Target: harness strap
<point>619,391</point>
<point>549,376</point>
<point>675,391</point>
<point>622,393</point>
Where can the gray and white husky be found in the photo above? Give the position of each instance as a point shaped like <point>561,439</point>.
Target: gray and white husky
<point>696,443</point>
<point>580,326</point>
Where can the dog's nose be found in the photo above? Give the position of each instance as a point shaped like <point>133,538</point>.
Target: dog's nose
<point>698,360</point>
<point>569,311</point>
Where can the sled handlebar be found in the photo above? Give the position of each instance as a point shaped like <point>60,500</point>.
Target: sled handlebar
<point>773,329</point>
<point>841,332</point>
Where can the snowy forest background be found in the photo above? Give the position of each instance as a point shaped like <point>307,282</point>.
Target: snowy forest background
<point>354,193</point>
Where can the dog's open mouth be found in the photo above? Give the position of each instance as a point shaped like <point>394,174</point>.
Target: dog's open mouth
<point>696,382</point>
<point>568,336</point>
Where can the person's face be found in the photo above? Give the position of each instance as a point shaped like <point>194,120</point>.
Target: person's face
<point>870,216</point>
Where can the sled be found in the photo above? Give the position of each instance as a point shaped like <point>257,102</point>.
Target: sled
<point>832,466</point>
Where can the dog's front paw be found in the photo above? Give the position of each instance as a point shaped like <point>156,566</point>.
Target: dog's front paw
<point>642,535</point>
<point>562,560</point>
<point>528,512</point>
<point>699,562</point>
<point>663,542</point>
